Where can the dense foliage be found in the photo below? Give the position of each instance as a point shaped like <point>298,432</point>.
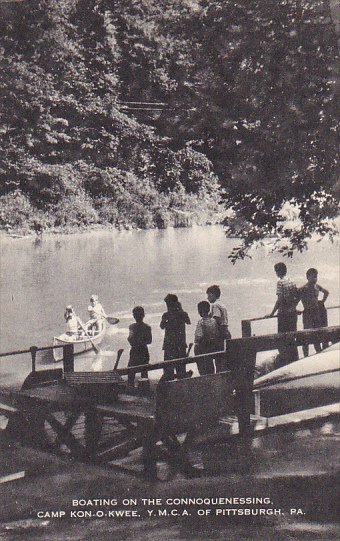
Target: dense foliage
<point>68,152</point>
<point>249,114</point>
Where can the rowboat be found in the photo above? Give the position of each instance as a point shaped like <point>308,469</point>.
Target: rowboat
<point>307,383</point>
<point>80,341</point>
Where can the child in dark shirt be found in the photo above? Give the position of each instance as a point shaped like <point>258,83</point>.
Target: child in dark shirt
<point>312,315</point>
<point>139,337</point>
<point>174,345</point>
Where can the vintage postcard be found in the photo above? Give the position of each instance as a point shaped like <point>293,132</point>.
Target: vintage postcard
<point>169,315</point>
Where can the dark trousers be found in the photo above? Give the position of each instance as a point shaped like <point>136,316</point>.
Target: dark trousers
<point>323,320</point>
<point>138,356</point>
<point>287,322</point>
<point>311,320</point>
<point>205,366</point>
<point>176,352</point>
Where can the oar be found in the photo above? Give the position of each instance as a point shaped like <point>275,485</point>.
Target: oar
<point>110,319</point>
<point>96,349</point>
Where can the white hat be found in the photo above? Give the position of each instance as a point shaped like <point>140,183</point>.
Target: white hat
<point>94,298</point>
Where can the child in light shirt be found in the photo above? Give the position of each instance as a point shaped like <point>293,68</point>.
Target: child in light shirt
<point>207,339</point>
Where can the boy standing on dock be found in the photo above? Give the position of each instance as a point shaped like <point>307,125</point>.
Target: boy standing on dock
<point>285,306</point>
<point>173,322</point>
<point>139,338</point>
<point>219,312</point>
<point>313,309</point>
<point>206,338</point>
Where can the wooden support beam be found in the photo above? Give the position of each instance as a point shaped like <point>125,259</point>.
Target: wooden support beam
<point>120,450</point>
<point>33,350</point>
<point>68,358</point>
<point>246,328</point>
<point>65,436</point>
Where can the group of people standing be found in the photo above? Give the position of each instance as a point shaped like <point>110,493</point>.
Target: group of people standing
<point>212,328</point>
<point>210,335</point>
<point>314,314</point>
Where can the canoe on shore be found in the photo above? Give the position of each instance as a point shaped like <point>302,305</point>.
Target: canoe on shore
<point>80,341</point>
<point>308,383</point>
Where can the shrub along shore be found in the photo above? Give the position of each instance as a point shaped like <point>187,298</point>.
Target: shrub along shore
<point>78,212</point>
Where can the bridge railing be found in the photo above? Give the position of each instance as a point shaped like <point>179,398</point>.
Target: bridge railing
<point>246,324</point>
<point>249,345</point>
<point>68,355</point>
<point>239,356</point>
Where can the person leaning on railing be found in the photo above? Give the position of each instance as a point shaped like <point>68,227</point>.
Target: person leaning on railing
<point>285,306</point>
<point>313,309</point>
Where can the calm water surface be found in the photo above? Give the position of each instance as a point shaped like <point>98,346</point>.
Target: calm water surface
<point>40,277</point>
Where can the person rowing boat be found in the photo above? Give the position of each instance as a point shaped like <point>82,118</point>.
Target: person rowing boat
<point>97,314</point>
<point>83,336</point>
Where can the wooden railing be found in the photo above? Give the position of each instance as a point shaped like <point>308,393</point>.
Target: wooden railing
<point>68,355</point>
<point>239,357</point>
<point>246,323</point>
<point>250,344</point>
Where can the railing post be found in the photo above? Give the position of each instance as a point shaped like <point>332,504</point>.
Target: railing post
<point>246,328</point>
<point>242,360</point>
<point>68,357</point>
<point>33,350</point>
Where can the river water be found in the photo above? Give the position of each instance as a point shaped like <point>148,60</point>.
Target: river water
<point>39,277</point>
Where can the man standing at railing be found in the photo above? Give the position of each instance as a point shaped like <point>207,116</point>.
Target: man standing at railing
<point>285,306</point>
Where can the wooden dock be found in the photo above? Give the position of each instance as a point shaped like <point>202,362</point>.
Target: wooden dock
<point>95,418</point>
